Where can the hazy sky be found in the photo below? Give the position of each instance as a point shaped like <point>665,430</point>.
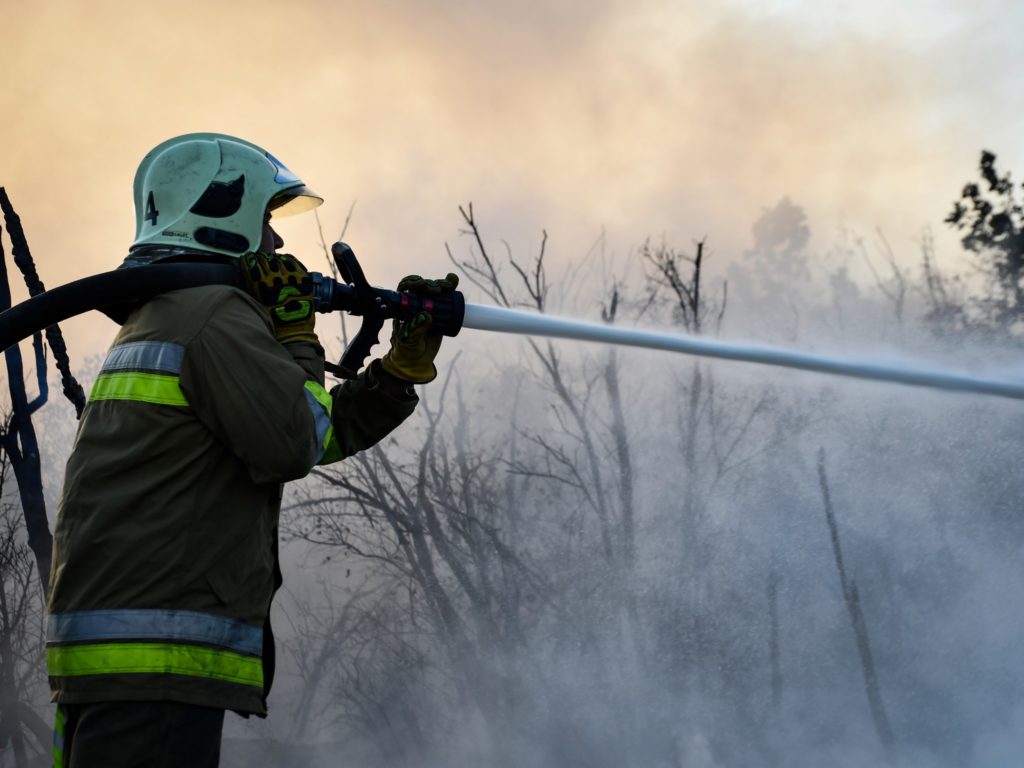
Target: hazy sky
<point>639,118</point>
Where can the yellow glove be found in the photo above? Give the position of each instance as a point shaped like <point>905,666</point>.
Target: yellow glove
<point>413,346</point>
<point>281,284</point>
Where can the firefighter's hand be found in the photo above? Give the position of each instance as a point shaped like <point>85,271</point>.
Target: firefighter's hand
<point>413,346</point>
<point>280,283</point>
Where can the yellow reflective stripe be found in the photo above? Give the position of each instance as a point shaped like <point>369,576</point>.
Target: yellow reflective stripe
<point>154,658</point>
<point>146,387</point>
<point>322,395</point>
<point>58,738</point>
<point>331,449</point>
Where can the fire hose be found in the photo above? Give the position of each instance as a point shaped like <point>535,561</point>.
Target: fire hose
<point>450,314</point>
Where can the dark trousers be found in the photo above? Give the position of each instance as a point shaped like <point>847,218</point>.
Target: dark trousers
<point>137,734</point>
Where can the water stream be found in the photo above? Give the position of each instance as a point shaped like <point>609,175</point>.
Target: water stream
<point>515,321</point>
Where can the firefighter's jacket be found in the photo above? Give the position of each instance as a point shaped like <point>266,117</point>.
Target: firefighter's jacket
<point>165,545</point>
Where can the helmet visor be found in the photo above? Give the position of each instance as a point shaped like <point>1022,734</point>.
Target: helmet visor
<point>292,201</point>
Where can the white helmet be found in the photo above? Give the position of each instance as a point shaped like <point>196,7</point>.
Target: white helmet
<point>210,192</point>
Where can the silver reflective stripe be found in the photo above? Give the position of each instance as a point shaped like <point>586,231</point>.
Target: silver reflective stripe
<point>145,356</point>
<point>144,624</point>
<point>323,423</point>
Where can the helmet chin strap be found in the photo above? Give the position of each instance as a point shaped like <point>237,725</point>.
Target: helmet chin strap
<point>157,254</point>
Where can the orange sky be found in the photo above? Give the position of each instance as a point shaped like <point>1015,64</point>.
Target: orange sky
<point>642,118</point>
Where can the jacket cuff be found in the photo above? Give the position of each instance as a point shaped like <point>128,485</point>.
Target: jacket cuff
<point>390,386</point>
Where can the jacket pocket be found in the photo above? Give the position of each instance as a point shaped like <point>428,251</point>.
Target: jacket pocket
<point>242,580</point>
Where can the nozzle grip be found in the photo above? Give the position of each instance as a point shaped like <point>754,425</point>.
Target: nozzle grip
<point>376,305</point>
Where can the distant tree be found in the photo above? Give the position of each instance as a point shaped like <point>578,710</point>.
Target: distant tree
<point>781,235</point>
<point>766,285</point>
<point>945,296</point>
<point>992,220</point>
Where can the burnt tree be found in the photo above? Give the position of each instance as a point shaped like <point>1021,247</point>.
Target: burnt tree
<point>19,439</point>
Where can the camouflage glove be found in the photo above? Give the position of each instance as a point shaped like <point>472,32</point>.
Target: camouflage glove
<point>413,346</point>
<point>281,284</point>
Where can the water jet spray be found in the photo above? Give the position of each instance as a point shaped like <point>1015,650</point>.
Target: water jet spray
<point>504,320</point>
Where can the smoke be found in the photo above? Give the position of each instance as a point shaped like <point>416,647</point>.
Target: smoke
<point>724,640</point>
<point>711,630</point>
<point>674,119</point>
<point>715,633</point>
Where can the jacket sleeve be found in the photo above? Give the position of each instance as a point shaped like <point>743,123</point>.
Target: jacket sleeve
<point>256,396</point>
<point>363,414</point>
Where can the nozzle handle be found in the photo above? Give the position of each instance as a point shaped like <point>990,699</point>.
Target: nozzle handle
<point>376,305</point>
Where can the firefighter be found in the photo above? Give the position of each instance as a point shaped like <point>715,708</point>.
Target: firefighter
<point>208,401</point>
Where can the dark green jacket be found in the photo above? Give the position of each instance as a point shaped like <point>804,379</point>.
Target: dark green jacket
<point>165,545</point>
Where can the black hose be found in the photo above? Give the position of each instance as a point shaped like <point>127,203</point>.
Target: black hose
<point>104,290</point>
<point>116,293</point>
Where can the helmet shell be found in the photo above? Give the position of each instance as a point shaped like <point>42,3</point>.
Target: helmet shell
<point>210,192</point>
